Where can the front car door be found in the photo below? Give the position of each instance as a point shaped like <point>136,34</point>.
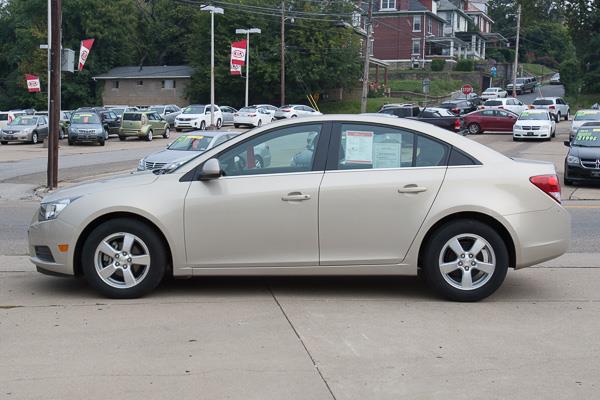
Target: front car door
<point>487,119</point>
<point>379,186</point>
<point>42,127</point>
<point>506,120</point>
<point>259,214</point>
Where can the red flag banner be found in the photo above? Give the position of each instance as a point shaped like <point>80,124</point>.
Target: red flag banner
<point>84,51</point>
<point>33,83</point>
<point>238,52</point>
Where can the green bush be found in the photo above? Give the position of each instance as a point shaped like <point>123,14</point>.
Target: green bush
<point>465,64</point>
<point>570,76</point>
<point>438,65</point>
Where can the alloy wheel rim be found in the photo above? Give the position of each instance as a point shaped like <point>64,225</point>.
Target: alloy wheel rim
<point>149,135</point>
<point>474,128</point>
<point>34,138</point>
<point>167,132</point>
<point>467,261</point>
<point>122,260</point>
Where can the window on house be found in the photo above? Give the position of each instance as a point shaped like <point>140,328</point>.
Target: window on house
<point>115,84</point>
<point>168,84</point>
<point>388,5</point>
<point>140,83</point>
<point>429,25</point>
<point>416,46</point>
<point>416,23</point>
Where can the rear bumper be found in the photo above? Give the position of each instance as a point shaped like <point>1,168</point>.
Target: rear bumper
<point>131,132</point>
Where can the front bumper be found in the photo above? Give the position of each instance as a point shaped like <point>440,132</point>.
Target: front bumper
<point>15,137</point>
<point>50,234</point>
<point>532,134</point>
<point>187,124</point>
<point>85,137</point>
<point>579,173</point>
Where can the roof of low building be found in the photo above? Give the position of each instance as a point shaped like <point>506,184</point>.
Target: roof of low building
<point>148,72</point>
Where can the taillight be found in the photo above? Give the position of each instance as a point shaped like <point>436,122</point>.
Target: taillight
<point>252,115</point>
<point>548,184</point>
<point>236,115</point>
<point>502,107</point>
<point>457,124</point>
<point>552,107</point>
<point>481,107</point>
<point>456,110</point>
<point>531,107</point>
<point>286,109</point>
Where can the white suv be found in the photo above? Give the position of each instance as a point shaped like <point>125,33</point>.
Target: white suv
<point>556,106</point>
<point>507,103</point>
<point>197,116</point>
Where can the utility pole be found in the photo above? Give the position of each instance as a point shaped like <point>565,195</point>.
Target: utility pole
<point>212,11</point>
<point>247,32</point>
<point>514,76</point>
<point>282,97</point>
<point>367,50</point>
<point>54,110</point>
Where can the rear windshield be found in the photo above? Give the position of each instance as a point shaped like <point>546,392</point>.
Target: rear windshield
<point>542,102</point>
<point>493,103</point>
<point>132,117</point>
<point>159,110</point>
<point>248,109</point>
<point>588,115</point>
<point>85,118</point>
<point>191,143</point>
<point>491,90</point>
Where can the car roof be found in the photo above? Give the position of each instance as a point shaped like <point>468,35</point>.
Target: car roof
<point>546,98</point>
<point>209,133</point>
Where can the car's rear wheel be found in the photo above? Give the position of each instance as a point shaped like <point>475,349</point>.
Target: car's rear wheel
<point>124,258</point>
<point>474,128</point>
<point>122,138</point>
<point>202,126</point>
<point>259,122</point>
<point>236,125</point>
<point>219,123</point>
<point>34,137</point>
<point>465,260</point>
<point>558,116</point>
<point>149,136</point>
<point>167,133</point>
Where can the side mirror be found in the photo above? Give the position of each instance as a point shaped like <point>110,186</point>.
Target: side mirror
<point>567,143</point>
<point>211,170</point>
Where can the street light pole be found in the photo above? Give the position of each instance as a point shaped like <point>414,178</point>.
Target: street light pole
<point>212,11</point>
<point>247,32</point>
<point>514,74</point>
<point>367,50</point>
<point>54,92</point>
<point>282,89</point>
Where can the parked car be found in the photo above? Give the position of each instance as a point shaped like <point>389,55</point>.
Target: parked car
<point>441,117</point>
<point>143,125</point>
<point>25,128</point>
<point>184,148</point>
<point>394,105</point>
<point>522,85</point>
<point>555,80</point>
<point>6,117</point>
<point>493,93</point>
<point>395,177</point>
<point>119,110</point>
<point>86,127</point>
<point>581,162</point>
<point>252,116</point>
<point>401,111</point>
<point>508,103</point>
<point>268,107</point>
<point>167,111</point>
<point>65,116</point>
<point>111,122</point>
<point>534,124</point>
<point>228,112</point>
<point>458,107</point>
<point>197,116</point>
<point>581,117</point>
<point>295,110</point>
<point>492,120</point>
<point>472,97</point>
<point>556,106</point>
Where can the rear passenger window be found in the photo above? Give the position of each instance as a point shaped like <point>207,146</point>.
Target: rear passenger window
<point>375,147</point>
<point>457,158</point>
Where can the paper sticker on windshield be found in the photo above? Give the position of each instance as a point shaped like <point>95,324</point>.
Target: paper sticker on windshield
<point>387,154</point>
<point>587,136</point>
<point>587,112</point>
<point>195,137</point>
<point>359,147</point>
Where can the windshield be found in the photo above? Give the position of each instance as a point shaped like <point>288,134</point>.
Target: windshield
<point>493,103</point>
<point>520,80</point>
<point>588,115</point>
<point>491,90</point>
<point>24,121</point>
<point>191,143</point>
<point>587,137</point>
<point>542,102</point>
<point>248,109</point>
<point>194,110</point>
<point>530,116</point>
<point>132,117</point>
<point>159,110</point>
<point>85,118</point>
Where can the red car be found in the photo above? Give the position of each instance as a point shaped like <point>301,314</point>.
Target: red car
<point>490,120</point>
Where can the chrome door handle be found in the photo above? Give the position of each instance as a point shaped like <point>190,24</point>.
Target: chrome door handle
<point>412,189</point>
<point>296,196</point>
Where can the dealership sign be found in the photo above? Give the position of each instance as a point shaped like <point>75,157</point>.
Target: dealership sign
<point>33,83</point>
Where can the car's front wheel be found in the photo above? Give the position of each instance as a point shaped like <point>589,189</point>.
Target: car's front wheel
<point>124,258</point>
<point>568,115</point>
<point>465,260</point>
<point>474,128</point>
<point>167,133</point>
<point>149,135</point>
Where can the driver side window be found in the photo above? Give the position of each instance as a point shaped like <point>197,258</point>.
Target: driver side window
<point>280,151</point>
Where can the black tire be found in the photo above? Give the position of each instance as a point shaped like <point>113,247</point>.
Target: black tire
<point>122,138</point>
<point>101,141</point>
<point>149,136</point>
<point>61,134</point>
<point>34,138</point>
<point>202,126</point>
<point>219,123</point>
<point>153,241</point>
<point>236,125</point>
<point>259,123</point>
<point>433,252</point>
<point>568,115</point>
<point>177,129</point>
<point>568,182</point>
<point>4,142</point>
<point>70,142</point>
<point>515,139</point>
<point>557,118</point>
<point>474,128</point>
<point>167,133</point>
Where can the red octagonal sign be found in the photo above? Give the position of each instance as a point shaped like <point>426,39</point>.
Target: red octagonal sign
<point>467,89</point>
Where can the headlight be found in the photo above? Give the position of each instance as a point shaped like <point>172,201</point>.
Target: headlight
<point>169,168</point>
<point>518,127</point>
<point>572,160</point>
<point>141,165</point>
<point>51,210</point>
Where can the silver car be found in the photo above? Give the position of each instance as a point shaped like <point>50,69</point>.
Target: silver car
<point>25,128</point>
<point>167,111</point>
<point>184,148</point>
<point>342,195</point>
<point>228,113</point>
<point>295,110</point>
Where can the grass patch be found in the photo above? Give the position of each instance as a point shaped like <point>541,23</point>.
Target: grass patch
<point>437,87</point>
<point>353,106</point>
<point>537,69</point>
<point>582,101</point>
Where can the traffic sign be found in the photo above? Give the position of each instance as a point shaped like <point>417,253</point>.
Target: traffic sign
<point>493,72</point>
<point>426,83</point>
<point>467,89</point>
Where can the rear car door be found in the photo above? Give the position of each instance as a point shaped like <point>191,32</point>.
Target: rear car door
<point>157,123</point>
<point>487,120</point>
<point>379,185</point>
<point>42,128</point>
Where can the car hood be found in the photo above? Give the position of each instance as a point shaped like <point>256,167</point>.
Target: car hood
<point>585,152</point>
<point>170,156</point>
<point>193,116</point>
<point>533,122</point>
<point>87,126</point>
<point>129,181</point>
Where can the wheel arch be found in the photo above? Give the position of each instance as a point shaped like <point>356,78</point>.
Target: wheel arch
<point>478,216</point>
<point>77,268</point>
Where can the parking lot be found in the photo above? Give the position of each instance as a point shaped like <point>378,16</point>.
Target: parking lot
<point>293,338</point>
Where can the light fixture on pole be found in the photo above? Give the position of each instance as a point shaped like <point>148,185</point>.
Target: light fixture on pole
<point>213,10</point>
<point>247,32</point>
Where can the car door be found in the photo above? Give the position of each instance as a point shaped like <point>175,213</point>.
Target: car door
<point>42,128</point>
<point>259,214</point>
<point>157,123</point>
<point>487,120</point>
<point>379,185</point>
<point>505,121</point>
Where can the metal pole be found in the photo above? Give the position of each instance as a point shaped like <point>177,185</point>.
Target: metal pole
<point>283,53</point>
<point>54,111</point>
<point>367,50</point>
<point>45,145</point>
<point>212,69</point>
<point>514,76</point>
<point>247,64</point>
